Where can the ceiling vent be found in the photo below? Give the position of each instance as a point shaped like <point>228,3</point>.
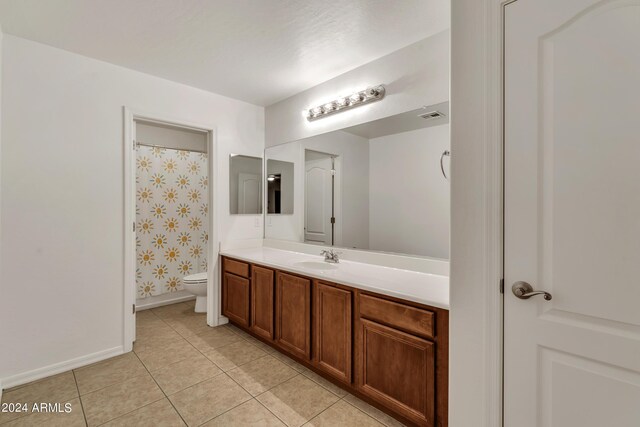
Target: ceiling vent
<point>431,115</point>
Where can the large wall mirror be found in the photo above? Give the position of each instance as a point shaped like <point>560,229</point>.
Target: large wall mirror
<point>245,185</point>
<point>377,186</point>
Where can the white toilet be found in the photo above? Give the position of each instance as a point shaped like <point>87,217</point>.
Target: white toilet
<point>196,284</point>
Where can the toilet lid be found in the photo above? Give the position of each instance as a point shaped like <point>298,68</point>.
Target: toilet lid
<point>196,278</point>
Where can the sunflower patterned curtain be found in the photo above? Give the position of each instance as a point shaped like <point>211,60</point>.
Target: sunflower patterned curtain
<point>171,215</point>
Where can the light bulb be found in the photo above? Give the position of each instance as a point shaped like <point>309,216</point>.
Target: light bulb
<point>355,98</point>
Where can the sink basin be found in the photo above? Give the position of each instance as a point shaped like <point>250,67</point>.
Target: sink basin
<point>315,265</point>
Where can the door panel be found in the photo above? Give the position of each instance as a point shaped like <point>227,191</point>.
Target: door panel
<point>262,301</point>
<point>235,299</point>
<point>397,369</point>
<point>248,193</point>
<point>572,209</point>
<point>293,314</point>
<point>318,200</point>
<point>332,314</point>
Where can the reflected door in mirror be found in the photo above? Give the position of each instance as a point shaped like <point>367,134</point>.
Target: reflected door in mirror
<point>319,201</point>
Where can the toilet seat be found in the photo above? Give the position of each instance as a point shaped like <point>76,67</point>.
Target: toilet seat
<point>196,278</point>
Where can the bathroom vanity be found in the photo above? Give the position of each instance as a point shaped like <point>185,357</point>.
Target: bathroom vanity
<point>381,333</point>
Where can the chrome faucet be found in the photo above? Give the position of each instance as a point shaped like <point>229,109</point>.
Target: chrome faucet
<point>331,256</point>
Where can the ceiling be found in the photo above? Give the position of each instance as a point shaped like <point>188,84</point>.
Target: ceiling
<point>259,51</point>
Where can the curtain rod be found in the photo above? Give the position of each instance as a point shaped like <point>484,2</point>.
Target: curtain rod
<point>169,148</point>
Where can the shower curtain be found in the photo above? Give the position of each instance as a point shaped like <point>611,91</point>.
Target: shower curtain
<point>171,218</point>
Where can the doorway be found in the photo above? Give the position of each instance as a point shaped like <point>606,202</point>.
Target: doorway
<point>571,209</point>
<point>320,197</point>
<point>170,226</point>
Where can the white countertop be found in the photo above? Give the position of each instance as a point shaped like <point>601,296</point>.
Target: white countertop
<point>423,288</point>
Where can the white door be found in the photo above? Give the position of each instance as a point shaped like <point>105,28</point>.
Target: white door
<point>572,213</point>
<point>248,193</point>
<point>318,197</point>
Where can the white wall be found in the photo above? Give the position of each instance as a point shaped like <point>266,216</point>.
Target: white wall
<point>1,295</point>
<point>408,196</point>
<point>415,76</point>
<point>475,358</point>
<point>180,139</point>
<point>352,182</point>
<point>62,195</point>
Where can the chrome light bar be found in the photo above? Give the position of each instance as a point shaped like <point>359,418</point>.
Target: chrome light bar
<point>344,103</point>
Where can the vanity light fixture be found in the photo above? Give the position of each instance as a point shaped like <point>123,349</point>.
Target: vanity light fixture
<point>343,103</point>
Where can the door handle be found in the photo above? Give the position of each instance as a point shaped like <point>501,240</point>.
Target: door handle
<point>523,290</point>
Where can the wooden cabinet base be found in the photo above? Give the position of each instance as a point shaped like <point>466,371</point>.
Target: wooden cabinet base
<point>391,353</point>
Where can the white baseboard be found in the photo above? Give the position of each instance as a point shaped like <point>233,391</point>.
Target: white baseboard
<point>57,368</point>
<point>165,299</point>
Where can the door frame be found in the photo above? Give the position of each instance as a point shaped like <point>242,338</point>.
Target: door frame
<point>477,168</point>
<point>129,280</point>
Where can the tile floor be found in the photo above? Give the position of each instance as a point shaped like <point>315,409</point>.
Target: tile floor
<point>183,372</point>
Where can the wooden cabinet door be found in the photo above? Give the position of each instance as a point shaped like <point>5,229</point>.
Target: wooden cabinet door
<point>332,330</point>
<point>293,314</point>
<point>235,299</point>
<point>262,301</point>
<point>397,370</point>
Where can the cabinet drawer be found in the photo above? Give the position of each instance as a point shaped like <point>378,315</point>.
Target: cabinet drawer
<point>236,267</point>
<point>404,317</point>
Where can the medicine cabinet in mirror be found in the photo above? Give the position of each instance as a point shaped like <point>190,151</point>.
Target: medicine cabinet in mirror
<point>377,186</point>
<point>245,185</point>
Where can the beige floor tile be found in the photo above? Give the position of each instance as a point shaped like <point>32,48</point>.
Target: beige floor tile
<point>288,361</point>
<point>153,328</point>
<point>206,400</point>
<point>250,413</point>
<point>57,417</point>
<point>183,374</point>
<point>343,415</point>
<point>189,325</point>
<point>158,414</point>
<point>323,382</point>
<point>297,400</point>
<point>179,309</point>
<point>119,399</point>
<point>235,354</point>
<point>158,358</point>
<point>212,339</point>
<point>145,319</point>
<point>143,315</point>
<point>56,389</point>
<point>236,330</point>
<point>385,419</point>
<point>158,339</point>
<point>108,372</point>
<point>261,374</point>
<point>262,346</point>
